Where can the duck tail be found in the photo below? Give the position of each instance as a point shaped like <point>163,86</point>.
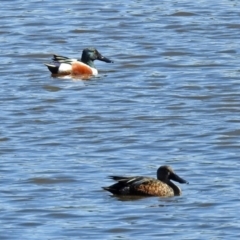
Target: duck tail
<point>112,190</point>
<point>53,68</point>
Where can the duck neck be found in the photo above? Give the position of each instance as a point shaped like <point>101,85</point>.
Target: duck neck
<point>87,61</point>
<point>176,189</point>
<point>90,63</point>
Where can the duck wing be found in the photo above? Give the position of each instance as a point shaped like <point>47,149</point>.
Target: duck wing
<point>133,180</point>
<point>62,59</point>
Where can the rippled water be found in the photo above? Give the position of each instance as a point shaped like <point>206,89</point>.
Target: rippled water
<point>171,97</point>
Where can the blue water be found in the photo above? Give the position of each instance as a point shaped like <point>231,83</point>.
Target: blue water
<point>170,98</point>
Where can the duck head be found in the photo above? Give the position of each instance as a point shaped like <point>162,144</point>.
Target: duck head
<point>166,173</point>
<point>91,54</point>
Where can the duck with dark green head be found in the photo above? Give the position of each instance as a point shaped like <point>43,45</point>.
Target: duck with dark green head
<point>61,65</point>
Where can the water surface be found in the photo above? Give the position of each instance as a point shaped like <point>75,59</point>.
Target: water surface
<point>171,98</point>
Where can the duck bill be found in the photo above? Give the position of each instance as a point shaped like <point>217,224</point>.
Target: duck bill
<point>176,178</point>
<point>104,59</point>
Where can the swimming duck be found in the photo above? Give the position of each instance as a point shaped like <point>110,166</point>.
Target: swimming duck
<point>61,65</point>
<point>146,186</point>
